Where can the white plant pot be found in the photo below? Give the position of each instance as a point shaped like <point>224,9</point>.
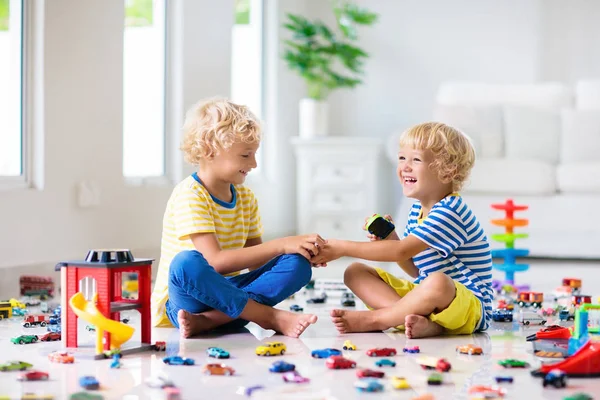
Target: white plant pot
<point>313,118</point>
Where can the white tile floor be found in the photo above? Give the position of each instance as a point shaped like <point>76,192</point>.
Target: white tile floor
<point>503,340</point>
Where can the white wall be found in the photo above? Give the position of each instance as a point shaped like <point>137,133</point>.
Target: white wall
<point>83,132</point>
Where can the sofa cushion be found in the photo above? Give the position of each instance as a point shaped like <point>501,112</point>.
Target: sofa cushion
<point>532,134</point>
<point>588,94</point>
<point>583,177</point>
<point>510,177</point>
<point>580,140</point>
<point>482,124</point>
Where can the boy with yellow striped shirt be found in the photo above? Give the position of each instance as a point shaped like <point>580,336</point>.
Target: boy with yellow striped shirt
<point>212,232</point>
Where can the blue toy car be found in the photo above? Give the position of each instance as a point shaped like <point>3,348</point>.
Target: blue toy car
<point>324,353</point>
<point>54,320</point>
<point>249,390</point>
<point>500,379</point>
<point>296,308</point>
<point>556,378</point>
<point>217,352</point>
<point>176,360</point>
<point>19,312</point>
<point>384,362</point>
<point>282,366</point>
<point>501,315</point>
<point>368,385</point>
<point>89,383</point>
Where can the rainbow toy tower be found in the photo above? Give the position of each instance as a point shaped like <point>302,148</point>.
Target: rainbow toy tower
<point>509,254</point>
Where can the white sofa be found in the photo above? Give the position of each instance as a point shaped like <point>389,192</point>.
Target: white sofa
<point>538,144</point>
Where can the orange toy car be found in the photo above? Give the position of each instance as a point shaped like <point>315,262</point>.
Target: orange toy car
<point>61,357</point>
<point>217,369</point>
<point>469,349</point>
<point>487,390</point>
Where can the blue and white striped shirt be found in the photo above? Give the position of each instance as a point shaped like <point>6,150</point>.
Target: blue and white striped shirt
<point>458,247</point>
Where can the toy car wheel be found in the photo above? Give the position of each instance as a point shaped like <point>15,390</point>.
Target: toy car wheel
<point>227,372</point>
<point>268,353</point>
<point>43,323</point>
<point>470,352</point>
<point>35,339</point>
<point>543,322</point>
<point>44,378</point>
<point>526,323</point>
<point>282,352</point>
<point>207,372</point>
<point>336,367</point>
<point>393,353</point>
<point>26,325</point>
<point>345,347</point>
<point>353,365</point>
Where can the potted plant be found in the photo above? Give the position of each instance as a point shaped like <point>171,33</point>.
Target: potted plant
<point>327,59</point>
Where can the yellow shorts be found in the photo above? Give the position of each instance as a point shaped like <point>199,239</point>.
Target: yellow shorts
<point>460,318</point>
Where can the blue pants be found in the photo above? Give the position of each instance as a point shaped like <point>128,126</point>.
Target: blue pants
<point>195,286</point>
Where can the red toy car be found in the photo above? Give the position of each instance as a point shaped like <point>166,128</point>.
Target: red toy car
<point>339,362</point>
<point>160,346</point>
<point>369,373</point>
<point>33,376</point>
<point>381,352</point>
<point>50,336</point>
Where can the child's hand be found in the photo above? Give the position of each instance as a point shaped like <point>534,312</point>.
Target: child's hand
<point>329,252</point>
<point>392,236</point>
<point>305,245</point>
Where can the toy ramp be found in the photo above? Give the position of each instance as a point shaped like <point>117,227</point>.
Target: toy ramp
<point>87,311</point>
<point>584,363</point>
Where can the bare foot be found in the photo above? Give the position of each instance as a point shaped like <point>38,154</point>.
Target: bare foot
<point>418,326</point>
<point>193,324</point>
<point>355,321</point>
<point>290,324</point>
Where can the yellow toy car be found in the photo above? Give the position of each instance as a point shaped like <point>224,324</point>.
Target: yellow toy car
<point>271,349</point>
<point>348,345</point>
<point>399,382</point>
<point>16,303</point>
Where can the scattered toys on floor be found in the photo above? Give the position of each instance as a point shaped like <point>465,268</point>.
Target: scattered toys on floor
<point>348,345</point>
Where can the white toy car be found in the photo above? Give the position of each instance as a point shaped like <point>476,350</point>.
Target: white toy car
<point>531,318</point>
<point>159,381</point>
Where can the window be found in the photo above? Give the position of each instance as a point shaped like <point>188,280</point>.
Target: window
<point>12,141</point>
<point>246,57</point>
<point>144,89</point>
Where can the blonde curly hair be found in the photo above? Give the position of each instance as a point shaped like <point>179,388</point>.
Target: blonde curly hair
<point>212,126</point>
<point>453,152</point>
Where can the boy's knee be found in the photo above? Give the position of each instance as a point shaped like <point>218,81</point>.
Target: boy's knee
<point>302,270</point>
<point>439,282</point>
<point>353,270</point>
<point>189,263</point>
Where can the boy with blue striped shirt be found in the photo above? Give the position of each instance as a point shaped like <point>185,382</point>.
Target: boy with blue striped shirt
<point>443,248</point>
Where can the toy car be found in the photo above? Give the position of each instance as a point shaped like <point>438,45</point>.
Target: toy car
<point>282,366</point>
<point>381,352</point>
<point>347,300</point>
<point>172,393</point>
<point>556,378</point>
<point>35,320</point>
<point>15,365</point>
<point>271,349</point>
<point>566,315</point>
<point>159,381</point>
<point>504,305</point>
<point>411,349</point>
<point>217,352</point>
<point>33,376</point>
<point>177,360</point>
<point>400,383</point>
<point>19,312</point>
<point>324,353</point>
<point>487,391</point>
<point>24,339</point>
<point>160,346</point>
<point>116,362</point>
<point>528,317</point>
<point>294,377</point>
<point>348,345</point>
<point>435,379</point>
<point>36,396</point>
<point>579,396</point>
<point>469,349</point>
<point>339,362</point>
<point>318,300</point>
<point>369,373</point>
<point>296,308</point>
<point>548,312</point>
<point>250,389</point>
<point>217,369</point>
<point>89,382</point>
<point>500,315</point>
<point>90,328</point>
<point>384,362</point>
<point>84,396</point>
<point>61,357</point>
<point>368,385</point>
<point>513,363</point>
<point>500,379</point>
<point>51,337</point>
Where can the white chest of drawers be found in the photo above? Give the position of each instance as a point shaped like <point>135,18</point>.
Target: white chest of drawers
<point>337,185</point>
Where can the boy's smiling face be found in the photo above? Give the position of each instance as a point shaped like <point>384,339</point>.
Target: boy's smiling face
<point>234,164</point>
<point>419,181</point>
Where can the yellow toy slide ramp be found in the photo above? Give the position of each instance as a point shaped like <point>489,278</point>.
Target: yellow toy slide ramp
<point>87,311</point>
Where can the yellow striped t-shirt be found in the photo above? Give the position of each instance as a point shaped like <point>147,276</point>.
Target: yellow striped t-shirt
<point>191,209</point>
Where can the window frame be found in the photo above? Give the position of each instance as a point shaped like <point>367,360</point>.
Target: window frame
<point>168,171</point>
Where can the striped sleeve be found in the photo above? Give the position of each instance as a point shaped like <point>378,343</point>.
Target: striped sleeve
<point>192,214</point>
<point>256,228</point>
<point>442,230</point>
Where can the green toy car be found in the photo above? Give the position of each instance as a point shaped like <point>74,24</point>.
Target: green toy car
<point>24,339</point>
<point>513,363</point>
<point>579,396</point>
<point>14,366</point>
<point>435,379</point>
<point>85,396</point>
